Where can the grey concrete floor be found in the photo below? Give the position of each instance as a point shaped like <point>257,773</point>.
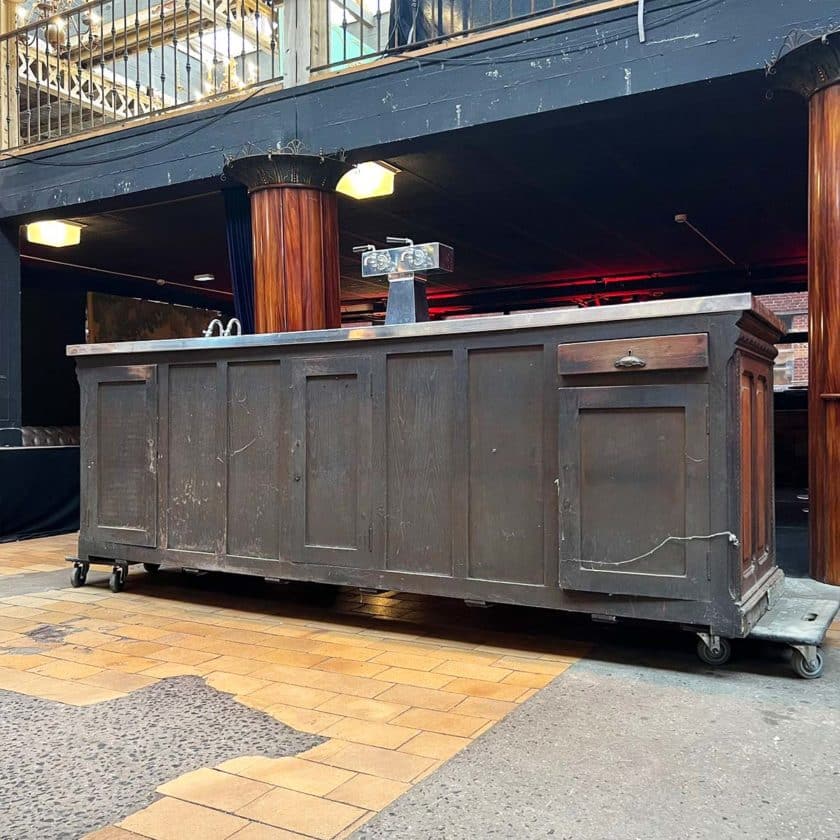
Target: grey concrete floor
<point>636,742</point>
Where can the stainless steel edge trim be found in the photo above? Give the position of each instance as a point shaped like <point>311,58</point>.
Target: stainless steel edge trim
<point>740,302</point>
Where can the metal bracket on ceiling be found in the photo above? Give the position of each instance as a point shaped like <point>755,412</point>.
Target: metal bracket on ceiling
<point>640,20</point>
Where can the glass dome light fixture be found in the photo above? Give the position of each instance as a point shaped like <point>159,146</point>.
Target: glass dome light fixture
<point>371,179</point>
<point>54,233</point>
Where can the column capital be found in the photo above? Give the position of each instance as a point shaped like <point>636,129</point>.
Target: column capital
<point>287,167</point>
<point>807,62</point>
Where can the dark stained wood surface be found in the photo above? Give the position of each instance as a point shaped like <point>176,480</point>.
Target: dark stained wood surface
<point>420,443</point>
<point>506,528</point>
<point>296,274</point>
<point>660,352</point>
<point>824,334</point>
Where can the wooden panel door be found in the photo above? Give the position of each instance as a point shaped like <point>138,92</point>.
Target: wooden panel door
<point>332,462</point>
<point>119,451</point>
<point>633,476</point>
<point>755,407</point>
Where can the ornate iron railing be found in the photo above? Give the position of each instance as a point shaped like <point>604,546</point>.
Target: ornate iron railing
<point>361,30</point>
<point>110,61</point>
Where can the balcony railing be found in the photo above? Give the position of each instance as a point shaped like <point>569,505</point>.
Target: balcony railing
<point>109,61</point>
<point>361,30</point>
<point>112,61</point>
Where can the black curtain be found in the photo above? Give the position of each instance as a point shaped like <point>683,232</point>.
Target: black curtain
<point>240,254</point>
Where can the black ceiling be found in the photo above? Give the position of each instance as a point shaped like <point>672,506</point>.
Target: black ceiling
<point>586,193</point>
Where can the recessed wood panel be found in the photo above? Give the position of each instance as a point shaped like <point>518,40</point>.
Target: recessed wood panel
<point>660,352</point>
<point>420,428</point>
<point>195,512</point>
<point>124,455</point>
<point>332,468</point>
<point>258,417</point>
<point>506,528</point>
<point>633,489</point>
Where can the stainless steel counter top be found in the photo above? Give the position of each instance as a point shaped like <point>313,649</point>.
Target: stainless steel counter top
<point>739,302</point>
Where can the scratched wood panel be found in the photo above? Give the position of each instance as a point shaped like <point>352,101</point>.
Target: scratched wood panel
<point>420,430</point>
<point>257,458</point>
<point>506,528</point>
<point>123,456</point>
<point>195,509</point>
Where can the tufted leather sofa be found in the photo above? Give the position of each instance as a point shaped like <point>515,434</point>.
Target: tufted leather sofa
<point>50,435</point>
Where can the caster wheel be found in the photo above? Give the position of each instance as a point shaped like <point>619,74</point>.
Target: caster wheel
<point>807,669</point>
<point>721,657</point>
<point>117,580</point>
<point>78,576</point>
<point>151,568</point>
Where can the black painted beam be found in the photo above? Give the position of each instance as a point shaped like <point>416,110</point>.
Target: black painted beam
<point>544,69</point>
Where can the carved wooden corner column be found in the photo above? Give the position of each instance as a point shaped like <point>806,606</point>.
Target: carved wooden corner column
<point>810,66</point>
<point>294,225</point>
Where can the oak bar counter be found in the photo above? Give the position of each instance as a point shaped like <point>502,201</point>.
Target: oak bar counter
<point>615,460</point>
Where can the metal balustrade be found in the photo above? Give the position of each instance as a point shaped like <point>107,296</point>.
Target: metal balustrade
<point>110,61</point>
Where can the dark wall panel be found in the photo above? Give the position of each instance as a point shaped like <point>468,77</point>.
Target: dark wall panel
<point>194,486</point>
<point>419,444</point>
<point>506,530</point>
<point>257,458</point>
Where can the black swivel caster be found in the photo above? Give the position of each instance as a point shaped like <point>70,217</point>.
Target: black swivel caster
<point>715,657</point>
<point>78,577</point>
<point>805,667</point>
<point>116,582</point>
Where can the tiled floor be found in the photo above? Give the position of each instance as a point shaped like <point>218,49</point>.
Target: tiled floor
<point>380,676</point>
<point>42,555</point>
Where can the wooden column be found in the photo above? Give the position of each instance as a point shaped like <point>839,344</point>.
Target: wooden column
<point>294,222</point>
<point>813,70</point>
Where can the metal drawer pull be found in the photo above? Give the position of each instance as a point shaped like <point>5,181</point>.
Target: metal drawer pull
<point>630,361</point>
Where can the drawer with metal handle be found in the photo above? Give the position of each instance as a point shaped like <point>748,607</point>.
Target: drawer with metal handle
<point>660,352</point>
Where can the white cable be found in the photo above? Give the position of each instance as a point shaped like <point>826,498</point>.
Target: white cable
<point>733,539</point>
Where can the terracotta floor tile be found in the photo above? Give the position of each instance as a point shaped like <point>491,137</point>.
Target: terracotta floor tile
<point>138,632</point>
<point>533,666</point>
<point>415,662</point>
<point>388,764</point>
<point>441,700</point>
<point>161,670</point>
<point>182,656</point>
<point>306,720</point>
<point>323,680</point>
<point>367,732</point>
<point>131,647</point>
<point>529,693</point>
<point>234,683</point>
<point>349,666</point>
<point>309,815</point>
<point>472,671</point>
<point>63,670</point>
<point>485,707</point>
<point>295,774</point>
<point>113,833</point>
<point>291,695</point>
<point>421,679</point>
<point>137,664</point>
<point>447,723</point>
<point>172,819</point>
<point>236,665</point>
<point>90,638</point>
<point>260,831</point>
<point>435,745</point>
<point>184,640</point>
<point>215,789</point>
<point>296,658</point>
<point>362,708</point>
<point>482,688</point>
<point>80,694</point>
<point>118,681</point>
<point>526,680</point>
<point>23,661</point>
<point>352,652</point>
<point>369,792</point>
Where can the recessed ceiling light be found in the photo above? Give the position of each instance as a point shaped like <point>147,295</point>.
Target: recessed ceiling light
<point>204,278</point>
<point>54,233</point>
<point>368,180</point>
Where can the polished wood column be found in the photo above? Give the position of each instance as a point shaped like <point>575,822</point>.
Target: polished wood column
<point>294,223</point>
<point>813,70</point>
